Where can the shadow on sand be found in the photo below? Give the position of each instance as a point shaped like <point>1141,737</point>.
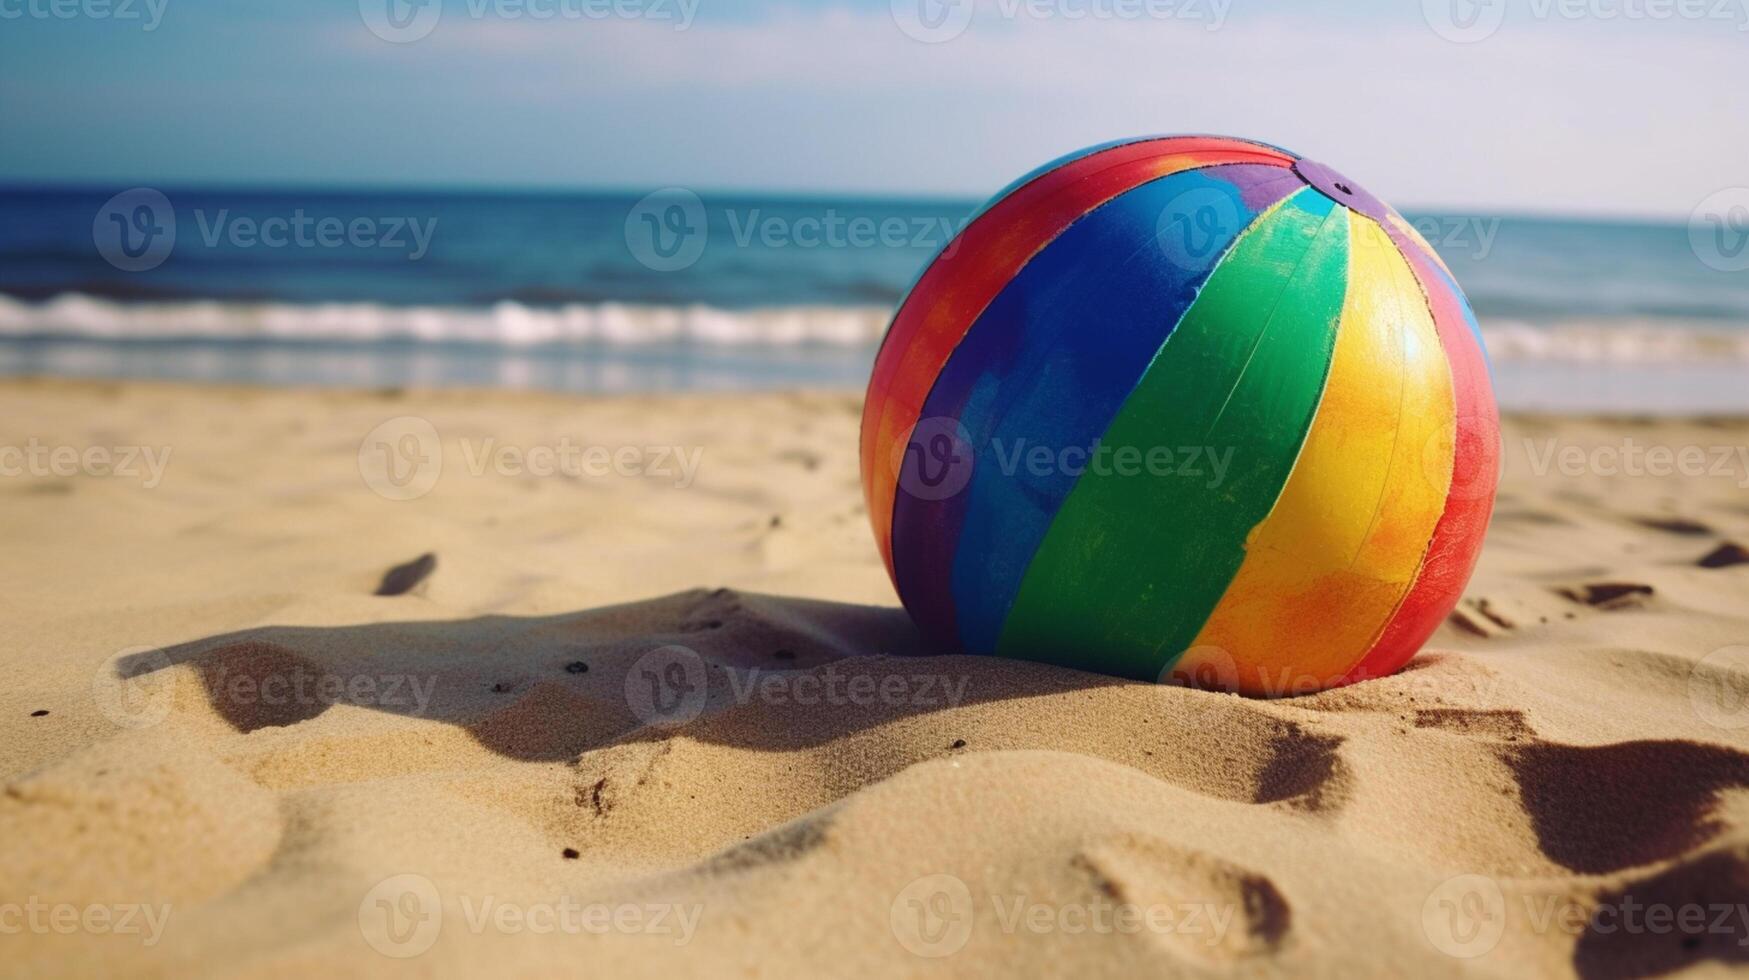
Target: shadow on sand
<point>552,687</point>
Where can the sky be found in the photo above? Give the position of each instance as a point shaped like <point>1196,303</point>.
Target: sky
<point>1590,107</point>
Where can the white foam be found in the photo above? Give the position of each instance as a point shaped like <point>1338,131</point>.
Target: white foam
<point>1635,341</point>
<point>508,324</point>
<point>503,324</point>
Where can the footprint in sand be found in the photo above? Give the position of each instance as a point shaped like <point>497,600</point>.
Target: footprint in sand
<point>1598,809</point>
<point>1479,617</point>
<point>1221,911</point>
<point>1726,555</point>
<point>1705,896</point>
<point>1304,772</point>
<point>1675,525</point>
<point>1608,596</point>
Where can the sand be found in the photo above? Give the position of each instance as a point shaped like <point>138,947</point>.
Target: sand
<point>637,721</point>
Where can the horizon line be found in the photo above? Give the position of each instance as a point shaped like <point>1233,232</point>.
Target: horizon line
<point>464,188</point>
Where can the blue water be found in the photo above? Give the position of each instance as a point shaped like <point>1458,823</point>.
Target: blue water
<point>610,292</point>
<point>542,250</point>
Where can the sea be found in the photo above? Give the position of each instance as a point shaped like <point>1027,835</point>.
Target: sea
<point>692,291</point>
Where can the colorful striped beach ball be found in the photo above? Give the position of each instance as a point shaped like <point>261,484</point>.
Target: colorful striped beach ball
<point>1184,408</point>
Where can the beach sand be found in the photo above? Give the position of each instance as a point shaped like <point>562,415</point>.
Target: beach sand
<point>641,721</point>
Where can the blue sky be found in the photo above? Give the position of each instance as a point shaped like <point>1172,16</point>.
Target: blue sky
<point>1582,106</point>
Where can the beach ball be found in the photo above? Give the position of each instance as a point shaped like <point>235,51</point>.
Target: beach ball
<point>1184,408</point>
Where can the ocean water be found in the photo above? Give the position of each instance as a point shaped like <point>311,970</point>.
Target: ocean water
<point>684,291</point>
